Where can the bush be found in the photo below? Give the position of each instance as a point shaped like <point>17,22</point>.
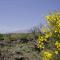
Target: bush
<point>50,39</point>
<point>1,37</point>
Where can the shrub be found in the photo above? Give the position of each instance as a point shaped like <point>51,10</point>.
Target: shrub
<point>1,37</point>
<point>50,39</point>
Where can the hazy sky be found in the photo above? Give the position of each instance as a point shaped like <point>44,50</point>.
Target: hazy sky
<point>24,14</point>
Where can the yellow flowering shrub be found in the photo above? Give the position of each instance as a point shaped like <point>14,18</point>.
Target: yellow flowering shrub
<point>42,39</point>
<point>57,44</point>
<point>50,37</point>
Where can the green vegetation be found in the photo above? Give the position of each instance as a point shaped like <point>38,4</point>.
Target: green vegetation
<point>1,36</point>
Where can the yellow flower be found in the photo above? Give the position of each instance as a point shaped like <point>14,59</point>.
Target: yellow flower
<point>54,19</point>
<point>55,31</point>
<point>39,41</point>
<point>57,44</point>
<point>56,52</point>
<point>59,24</point>
<point>48,54</point>
<point>41,46</point>
<point>46,36</point>
<point>40,38</point>
<point>47,17</point>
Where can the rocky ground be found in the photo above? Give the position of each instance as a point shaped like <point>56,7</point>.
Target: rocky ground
<point>17,50</point>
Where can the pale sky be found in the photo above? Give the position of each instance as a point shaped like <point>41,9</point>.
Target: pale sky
<point>24,14</point>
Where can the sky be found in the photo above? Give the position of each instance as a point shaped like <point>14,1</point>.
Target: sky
<point>24,14</point>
